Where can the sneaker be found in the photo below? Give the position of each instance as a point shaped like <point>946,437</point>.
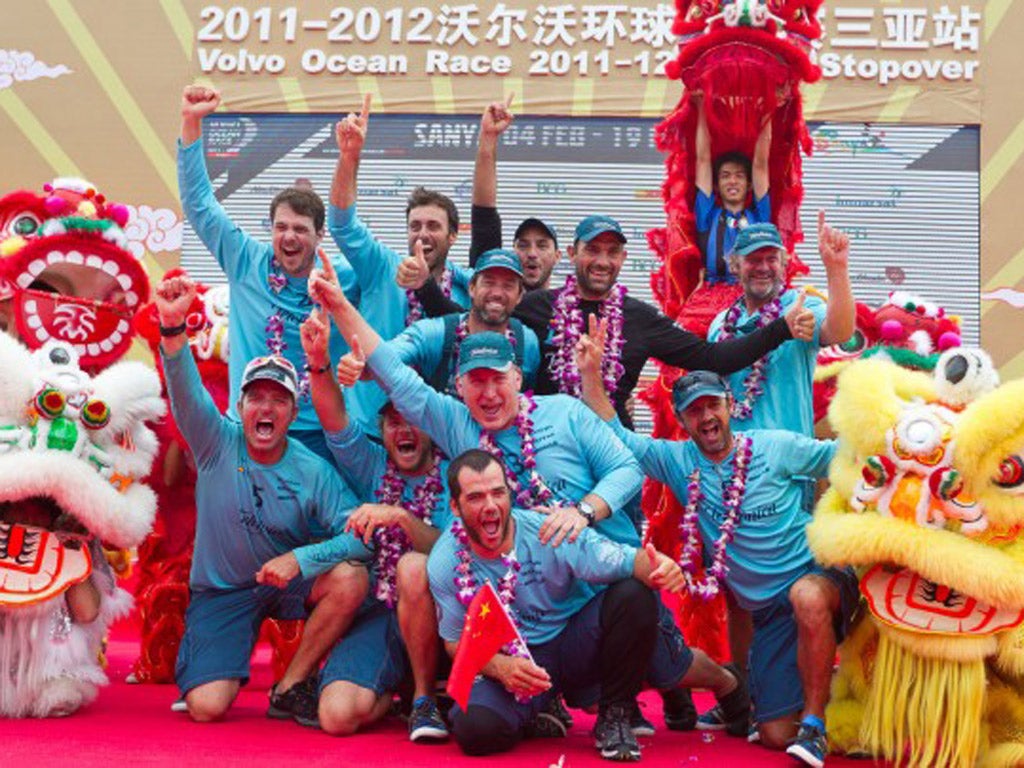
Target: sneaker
<point>712,720</point>
<point>298,703</point>
<point>680,711</point>
<point>425,722</point>
<point>753,735</point>
<point>179,705</point>
<point>613,735</point>
<point>641,725</point>
<point>550,722</point>
<point>810,746</point>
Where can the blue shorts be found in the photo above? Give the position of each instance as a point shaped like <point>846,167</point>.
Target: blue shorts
<point>774,677</point>
<point>222,625</point>
<point>672,657</point>
<point>371,654</point>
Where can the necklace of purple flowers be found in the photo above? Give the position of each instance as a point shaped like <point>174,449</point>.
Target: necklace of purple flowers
<point>753,384</point>
<point>536,493</point>
<point>466,586</point>
<point>276,344</point>
<point>461,332</point>
<point>689,534</point>
<point>567,326</point>
<point>392,542</point>
<point>416,306</point>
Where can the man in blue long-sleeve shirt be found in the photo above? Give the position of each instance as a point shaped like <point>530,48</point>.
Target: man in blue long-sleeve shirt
<point>261,499</point>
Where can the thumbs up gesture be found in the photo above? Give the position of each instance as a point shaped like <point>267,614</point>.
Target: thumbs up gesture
<point>351,365</point>
<point>413,271</point>
<point>665,572</point>
<point>801,321</point>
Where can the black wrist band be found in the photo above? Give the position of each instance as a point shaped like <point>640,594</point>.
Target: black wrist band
<point>174,330</point>
<point>310,369</point>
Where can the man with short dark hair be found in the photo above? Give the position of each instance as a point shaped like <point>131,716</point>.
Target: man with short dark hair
<point>744,502</point>
<point>262,500</point>
<point>269,298</point>
<point>576,635</point>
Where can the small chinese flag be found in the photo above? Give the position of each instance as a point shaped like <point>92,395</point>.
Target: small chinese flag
<point>488,627</point>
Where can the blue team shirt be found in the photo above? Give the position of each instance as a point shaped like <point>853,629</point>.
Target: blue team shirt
<point>554,582</point>
<point>246,263</point>
<point>787,401</point>
<point>246,512</point>
<point>769,551</point>
<point>576,453</point>
<point>421,346</point>
<point>706,212</point>
<point>383,303</point>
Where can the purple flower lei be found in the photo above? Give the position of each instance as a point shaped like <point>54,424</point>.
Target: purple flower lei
<point>416,306</point>
<point>567,326</point>
<point>274,328</point>
<point>688,533</point>
<point>536,493</point>
<point>466,586</point>
<point>392,542</point>
<point>461,332</point>
<point>753,384</point>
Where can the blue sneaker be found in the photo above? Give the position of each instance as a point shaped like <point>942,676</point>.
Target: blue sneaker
<point>425,722</point>
<point>810,746</point>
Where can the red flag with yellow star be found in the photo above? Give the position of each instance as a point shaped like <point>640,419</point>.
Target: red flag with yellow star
<point>487,628</point>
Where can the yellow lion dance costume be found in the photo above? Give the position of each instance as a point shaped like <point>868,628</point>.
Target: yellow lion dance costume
<point>927,501</point>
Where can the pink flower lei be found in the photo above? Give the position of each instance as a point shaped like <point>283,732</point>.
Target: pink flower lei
<point>690,536</point>
<point>753,384</point>
<point>392,542</point>
<point>416,306</point>
<point>567,326</point>
<point>466,586</point>
<point>536,493</point>
<point>461,332</point>
<point>274,328</point>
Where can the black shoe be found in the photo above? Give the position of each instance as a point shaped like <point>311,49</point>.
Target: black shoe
<point>680,711</point>
<point>550,722</point>
<point>425,721</point>
<point>734,707</point>
<point>299,703</point>
<point>613,734</point>
<point>641,725</point>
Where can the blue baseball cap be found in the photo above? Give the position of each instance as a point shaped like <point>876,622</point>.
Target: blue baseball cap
<point>697,384</point>
<point>486,349</point>
<point>592,226</point>
<point>755,237</point>
<point>499,258</point>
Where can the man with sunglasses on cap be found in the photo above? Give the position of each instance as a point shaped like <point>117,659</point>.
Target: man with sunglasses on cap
<point>262,499</point>
<point>637,331</point>
<point>400,481</point>
<point>431,345</point>
<point>744,503</point>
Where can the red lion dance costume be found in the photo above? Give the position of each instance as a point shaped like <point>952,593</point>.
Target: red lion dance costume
<point>748,59</point>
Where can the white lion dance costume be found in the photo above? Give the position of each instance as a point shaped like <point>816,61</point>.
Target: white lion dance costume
<point>73,450</point>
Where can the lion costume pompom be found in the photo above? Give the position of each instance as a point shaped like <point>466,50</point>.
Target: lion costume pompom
<point>927,501</point>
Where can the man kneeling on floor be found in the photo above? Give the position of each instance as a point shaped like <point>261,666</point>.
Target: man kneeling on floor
<point>579,633</point>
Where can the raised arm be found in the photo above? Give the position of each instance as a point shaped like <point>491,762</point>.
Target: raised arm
<point>495,120</point>
<point>759,164</point>
<point>841,313</point>
<point>197,102</point>
<point>703,172</point>
<point>315,334</point>
<point>350,134</point>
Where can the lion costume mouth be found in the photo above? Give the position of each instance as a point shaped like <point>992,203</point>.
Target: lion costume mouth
<point>37,565</point>
<point>906,600</point>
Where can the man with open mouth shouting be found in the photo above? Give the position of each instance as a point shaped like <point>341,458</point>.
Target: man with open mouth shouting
<point>406,506</point>
<point>743,501</point>
<point>261,498</point>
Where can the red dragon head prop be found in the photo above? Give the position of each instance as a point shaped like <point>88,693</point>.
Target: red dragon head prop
<point>66,273</point>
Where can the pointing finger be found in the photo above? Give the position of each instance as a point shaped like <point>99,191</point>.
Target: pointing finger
<point>365,114</point>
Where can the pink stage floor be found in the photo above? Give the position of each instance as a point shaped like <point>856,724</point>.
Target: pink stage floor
<point>132,725</point>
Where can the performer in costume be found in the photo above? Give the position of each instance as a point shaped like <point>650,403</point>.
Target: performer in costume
<point>261,499</point>
<point>73,453</point>
<point>926,502</point>
<point>558,614</point>
<point>405,506</point>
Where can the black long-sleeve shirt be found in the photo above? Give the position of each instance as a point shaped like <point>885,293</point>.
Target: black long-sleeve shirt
<point>648,333</point>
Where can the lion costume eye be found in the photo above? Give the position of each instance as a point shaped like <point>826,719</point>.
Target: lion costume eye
<point>1011,473</point>
<point>24,224</point>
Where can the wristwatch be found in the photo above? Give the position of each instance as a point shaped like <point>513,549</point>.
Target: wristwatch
<point>587,510</point>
